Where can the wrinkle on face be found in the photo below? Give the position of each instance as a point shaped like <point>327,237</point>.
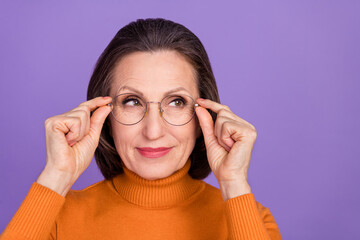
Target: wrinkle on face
<point>153,74</point>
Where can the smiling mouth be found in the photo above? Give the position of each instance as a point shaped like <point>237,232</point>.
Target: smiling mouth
<point>153,152</point>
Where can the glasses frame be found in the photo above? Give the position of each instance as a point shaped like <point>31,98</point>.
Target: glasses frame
<point>112,105</point>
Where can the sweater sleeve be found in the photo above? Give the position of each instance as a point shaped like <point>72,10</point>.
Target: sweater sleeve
<point>248,219</point>
<point>35,218</point>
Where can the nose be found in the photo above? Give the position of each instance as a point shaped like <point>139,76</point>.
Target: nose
<point>153,123</point>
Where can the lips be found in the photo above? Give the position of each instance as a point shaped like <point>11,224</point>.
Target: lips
<point>153,152</point>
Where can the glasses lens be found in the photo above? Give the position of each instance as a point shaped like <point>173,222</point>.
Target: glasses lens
<point>178,109</point>
<point>128,108</point>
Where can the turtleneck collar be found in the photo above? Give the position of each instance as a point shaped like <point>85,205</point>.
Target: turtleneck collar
<point>160,193</point>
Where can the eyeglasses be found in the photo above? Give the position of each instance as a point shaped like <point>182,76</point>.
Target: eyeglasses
<point>177,109</point>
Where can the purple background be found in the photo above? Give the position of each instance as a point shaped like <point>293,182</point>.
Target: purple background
<point>291,68</point>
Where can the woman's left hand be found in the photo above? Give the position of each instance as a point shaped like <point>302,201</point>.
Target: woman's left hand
<point>229,145</point>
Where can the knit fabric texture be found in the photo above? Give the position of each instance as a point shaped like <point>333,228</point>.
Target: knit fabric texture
<point>131,207</point>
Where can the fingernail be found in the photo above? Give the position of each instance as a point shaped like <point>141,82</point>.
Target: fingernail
<point>106,98</point>
<point>200,99</point>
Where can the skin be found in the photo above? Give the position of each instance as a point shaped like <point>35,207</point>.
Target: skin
<point>229,143</point>
<point>142,71</point>
<point>72,137</point>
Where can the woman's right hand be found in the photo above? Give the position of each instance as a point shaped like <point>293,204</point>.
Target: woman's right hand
<point>71,141</point>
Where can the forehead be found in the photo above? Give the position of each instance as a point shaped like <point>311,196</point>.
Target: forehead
<point>154,73</point>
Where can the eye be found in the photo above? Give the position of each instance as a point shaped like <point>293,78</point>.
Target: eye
<point>178,102</point>
<point>131,101</point>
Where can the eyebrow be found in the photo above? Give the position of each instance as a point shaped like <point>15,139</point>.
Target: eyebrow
<point>178,89</point>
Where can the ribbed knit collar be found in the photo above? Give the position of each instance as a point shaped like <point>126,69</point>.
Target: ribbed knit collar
<point>160,193</point>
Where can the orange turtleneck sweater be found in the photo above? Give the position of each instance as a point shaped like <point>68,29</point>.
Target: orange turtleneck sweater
<point>130,207</point>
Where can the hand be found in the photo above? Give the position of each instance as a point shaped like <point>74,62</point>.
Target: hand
<point>229,143</point>
<point>71,140</point>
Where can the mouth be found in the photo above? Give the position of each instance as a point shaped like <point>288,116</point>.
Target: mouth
<point>153,152</point>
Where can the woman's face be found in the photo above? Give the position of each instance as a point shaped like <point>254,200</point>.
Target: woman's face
<point>153,74</point>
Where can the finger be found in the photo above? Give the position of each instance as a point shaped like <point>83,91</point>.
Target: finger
<point>237,132</point>
<point>74,128</point>
<point>84,116</point>
<point>96,102</point>
<point>227,132</point>
<point>206,124</point>
<point>224,139</point>
<point>221,109</point>
<point>97,121</point>
<point>213,106</point>
<point>218,124</point>
<point>90,106</point>
<point>60,126</point>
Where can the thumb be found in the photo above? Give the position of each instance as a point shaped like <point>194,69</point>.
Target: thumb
<point>97,121</point>
<point>206,124</point>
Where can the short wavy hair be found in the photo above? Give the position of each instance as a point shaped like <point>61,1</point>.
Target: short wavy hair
<point>150,35</point>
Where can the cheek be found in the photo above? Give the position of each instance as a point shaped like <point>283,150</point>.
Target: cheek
<point>123,137</point>
<point>188,133</point>
<point>124,140</point>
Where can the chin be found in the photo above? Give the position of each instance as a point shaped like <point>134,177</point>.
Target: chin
<point>154,175</point>
<point>154,168</point>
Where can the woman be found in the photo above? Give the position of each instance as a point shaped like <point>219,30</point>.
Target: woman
<point>154,149</point>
